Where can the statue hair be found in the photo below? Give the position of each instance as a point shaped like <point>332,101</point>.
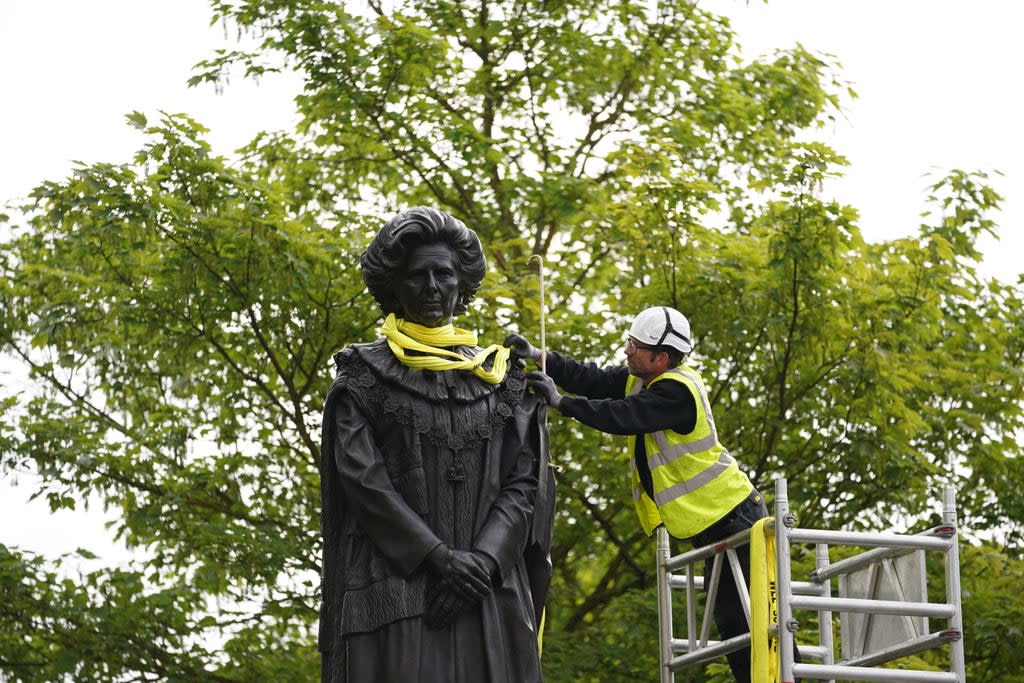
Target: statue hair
<point>385,257</point>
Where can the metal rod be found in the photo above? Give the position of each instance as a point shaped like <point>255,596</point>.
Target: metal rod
<point>911,647</point>
<point>737,540</point>
<point>543,314</point>
<point>707,653</point>
<point>814,652</point>
<point>783,521</point>
<point>821,563</point>
<point>952,567</point>
<point>741,585</point>
<point>868,538</point>
<point>664,607</point>
<point>716,574</point>
<point>838,672</point>
<point>678,582</point>
<point>691,608</point>
<point>913,609</point>
<point>681,646</point>
<point>852,564</point>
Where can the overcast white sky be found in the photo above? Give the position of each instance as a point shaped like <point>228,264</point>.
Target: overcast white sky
<point>938,80</point>
<point>938,89</point>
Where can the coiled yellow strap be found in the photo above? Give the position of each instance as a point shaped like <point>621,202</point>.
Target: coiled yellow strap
<point>404,336</point>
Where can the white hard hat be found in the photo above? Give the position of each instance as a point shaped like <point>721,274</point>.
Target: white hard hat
<point>662,326</point>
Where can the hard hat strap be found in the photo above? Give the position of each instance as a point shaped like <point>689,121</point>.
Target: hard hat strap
<point>669,329</point>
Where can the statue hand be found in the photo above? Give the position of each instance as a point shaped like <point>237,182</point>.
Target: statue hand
<point>444,607</point>
<point>544,387</point>
<point>521,348</point>
<point>468,574</point>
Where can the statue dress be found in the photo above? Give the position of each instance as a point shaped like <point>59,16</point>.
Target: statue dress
<point>412,458</point>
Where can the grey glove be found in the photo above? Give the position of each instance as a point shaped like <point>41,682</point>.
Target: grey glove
<point>544,387</point>
<point>521,348</point>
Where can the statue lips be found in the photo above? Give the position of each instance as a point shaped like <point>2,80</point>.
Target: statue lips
<point>432,309</point>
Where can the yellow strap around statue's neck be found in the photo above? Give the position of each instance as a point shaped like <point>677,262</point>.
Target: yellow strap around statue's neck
<point>404,336</point>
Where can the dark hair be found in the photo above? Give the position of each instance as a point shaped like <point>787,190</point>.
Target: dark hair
<point>675,356</point>
<point>421,225</point>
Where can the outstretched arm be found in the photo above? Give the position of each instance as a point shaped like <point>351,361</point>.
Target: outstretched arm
<point>665,405</point>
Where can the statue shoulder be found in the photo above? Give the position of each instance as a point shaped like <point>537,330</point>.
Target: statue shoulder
<point>352,365</point>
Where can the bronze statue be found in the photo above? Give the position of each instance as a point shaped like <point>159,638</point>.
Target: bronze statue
<point>436,497</point>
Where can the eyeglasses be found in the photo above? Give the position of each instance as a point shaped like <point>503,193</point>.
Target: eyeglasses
<point>632,346</point>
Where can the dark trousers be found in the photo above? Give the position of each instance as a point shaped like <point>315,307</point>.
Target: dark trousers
<point>728,609</point>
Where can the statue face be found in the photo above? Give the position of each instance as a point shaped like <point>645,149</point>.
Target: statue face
<point>428,285</point>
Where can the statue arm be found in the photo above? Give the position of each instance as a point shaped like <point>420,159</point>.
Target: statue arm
<point>382,513</point>
<point>506,530</point>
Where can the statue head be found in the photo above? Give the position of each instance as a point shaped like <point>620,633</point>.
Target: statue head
<point>424,265</point>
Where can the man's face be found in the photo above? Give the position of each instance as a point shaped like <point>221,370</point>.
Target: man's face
<point>642,360</point>
<point>428,286</point>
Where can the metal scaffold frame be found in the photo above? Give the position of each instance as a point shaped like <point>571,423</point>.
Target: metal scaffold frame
<point>680,572</point>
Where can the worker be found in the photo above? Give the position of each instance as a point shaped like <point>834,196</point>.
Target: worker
<point>682,476</point>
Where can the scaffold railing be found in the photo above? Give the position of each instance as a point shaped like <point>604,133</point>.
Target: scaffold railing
<point>901,623</point>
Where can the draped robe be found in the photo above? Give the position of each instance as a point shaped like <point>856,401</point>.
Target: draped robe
<point>409,459</point>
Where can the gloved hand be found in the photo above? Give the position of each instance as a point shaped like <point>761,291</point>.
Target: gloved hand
<point>544,387</point>
<point>521,348</point>
<point>468,574</point>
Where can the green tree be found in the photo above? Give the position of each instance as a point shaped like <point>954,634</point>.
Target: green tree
<point>991,580</point>
<point>178,312</point>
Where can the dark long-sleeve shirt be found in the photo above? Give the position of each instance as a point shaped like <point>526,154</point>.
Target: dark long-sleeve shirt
<point>601,403</point>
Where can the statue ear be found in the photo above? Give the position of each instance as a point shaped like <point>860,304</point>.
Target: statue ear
<point>465,297</point>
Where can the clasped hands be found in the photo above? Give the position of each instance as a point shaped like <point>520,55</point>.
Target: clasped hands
<point>465,579</point>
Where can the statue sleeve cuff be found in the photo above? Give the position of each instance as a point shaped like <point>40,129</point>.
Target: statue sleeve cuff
<point>493,553</point>
<point>492,566</point>
<point>504,546</point>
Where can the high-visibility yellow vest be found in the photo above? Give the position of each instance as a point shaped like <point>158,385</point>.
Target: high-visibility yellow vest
<point>695,480</point>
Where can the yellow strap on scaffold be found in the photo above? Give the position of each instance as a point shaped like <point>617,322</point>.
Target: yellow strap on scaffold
<point>764,605</point>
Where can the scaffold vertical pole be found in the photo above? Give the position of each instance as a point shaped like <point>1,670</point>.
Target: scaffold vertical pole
<point>825,640</point>
<point>956,623</point>
<point>783,521</point>
<point>664,606</point>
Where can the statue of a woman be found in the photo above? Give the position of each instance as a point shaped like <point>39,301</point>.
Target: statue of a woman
<point>437,504</point>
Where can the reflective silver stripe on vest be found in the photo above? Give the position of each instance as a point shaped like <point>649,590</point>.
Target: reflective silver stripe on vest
<point>703,398</point>
<point>668,452</point>
<point>695,482</point>
<point>637,490</point>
